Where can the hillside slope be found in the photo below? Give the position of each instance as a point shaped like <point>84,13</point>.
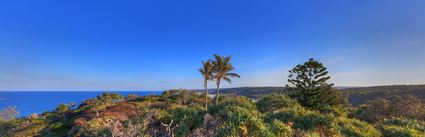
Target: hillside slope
<point>361,95</point>
<point>356,96</point>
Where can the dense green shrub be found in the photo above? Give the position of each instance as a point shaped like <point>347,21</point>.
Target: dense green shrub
<point>396,131</point>
<point>281,129</point>
<point>188,119</point>
<point>183,97</point>
<point>242,122</point>
<point>21,127</point>
<point>62,108</point>
<point>239,101</point>
<point>309,122</point>
<point>274,102</point>
<point>336,110</point>
<point>163,116</point>
<point>402,127</point>
<point>303,119</point>
<point>240,118</point>
<point>410,123</point>
<point>356,128</point>
<point>313,122</point>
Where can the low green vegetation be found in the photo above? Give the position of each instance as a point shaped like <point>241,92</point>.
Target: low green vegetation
<point>402,127</point>
<point>182,113</point>
<point>312,108</point>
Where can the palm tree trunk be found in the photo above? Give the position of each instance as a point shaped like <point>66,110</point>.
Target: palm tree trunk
<point>217,93</point>
<point>206,95</point>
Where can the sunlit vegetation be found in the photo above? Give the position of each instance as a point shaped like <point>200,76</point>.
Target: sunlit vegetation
<point>311,108</point>
<point>182,113</point>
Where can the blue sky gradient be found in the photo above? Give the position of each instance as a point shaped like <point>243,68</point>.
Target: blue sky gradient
<point>156,45</point>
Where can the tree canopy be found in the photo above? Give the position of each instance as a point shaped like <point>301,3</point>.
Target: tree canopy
<point>309,82</point>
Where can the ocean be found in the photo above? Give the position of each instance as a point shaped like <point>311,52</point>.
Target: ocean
<point>27,102</point>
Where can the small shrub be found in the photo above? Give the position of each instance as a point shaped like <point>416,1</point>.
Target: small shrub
<point>356,128</point>
<point>241,118</point>
<point>242,102</point>
<point>281,129</point>
<point>188,119</point>
<point>336,110</point>
<point>102,127</point>
<point>163,116</point>
<point>303,119</point>
<point>182,97</point>
<point>275,102</point>
<point>242,122</point>
<point>396,131</point>
<point>402,127</point>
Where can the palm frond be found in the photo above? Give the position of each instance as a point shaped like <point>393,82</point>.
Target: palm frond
<point>227,79</point>
<point>227,59</point>
<point>233,75</point>
<point>222,68</point>
<point>201,70</point>
<point>206,70</point>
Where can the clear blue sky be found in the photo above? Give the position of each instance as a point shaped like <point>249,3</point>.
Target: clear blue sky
<point>158,44</point>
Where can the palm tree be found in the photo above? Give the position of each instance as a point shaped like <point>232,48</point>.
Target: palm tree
<point>222,70</point>
<point>206,72</point>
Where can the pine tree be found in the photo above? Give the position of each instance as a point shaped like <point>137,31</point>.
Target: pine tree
<point>309,83</point>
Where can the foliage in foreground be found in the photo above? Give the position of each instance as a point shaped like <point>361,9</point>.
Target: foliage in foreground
<point>182,113</point>
<point>402,127</point>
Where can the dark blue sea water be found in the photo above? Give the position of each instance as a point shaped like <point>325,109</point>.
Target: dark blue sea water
<point>28,102</point>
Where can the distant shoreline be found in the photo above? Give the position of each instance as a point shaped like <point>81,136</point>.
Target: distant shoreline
<point>28,102</point>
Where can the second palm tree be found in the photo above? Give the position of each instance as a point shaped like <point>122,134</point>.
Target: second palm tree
<point>222,70</point>
<point>206,72</point>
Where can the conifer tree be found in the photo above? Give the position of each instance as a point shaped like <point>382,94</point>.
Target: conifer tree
<point>309,83</point>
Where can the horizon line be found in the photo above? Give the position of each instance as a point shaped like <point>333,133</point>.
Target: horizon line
<point>195,89</point>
